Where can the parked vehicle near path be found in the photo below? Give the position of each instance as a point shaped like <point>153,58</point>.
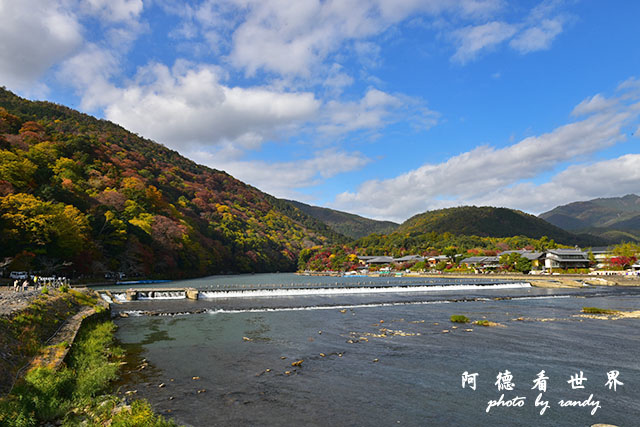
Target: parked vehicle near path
<point>19,275</point>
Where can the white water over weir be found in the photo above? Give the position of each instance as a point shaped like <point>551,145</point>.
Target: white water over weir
<point>191,293</point>
<point>342,291</point>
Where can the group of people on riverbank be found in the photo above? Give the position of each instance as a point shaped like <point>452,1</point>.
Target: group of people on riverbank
<point>37,282</point>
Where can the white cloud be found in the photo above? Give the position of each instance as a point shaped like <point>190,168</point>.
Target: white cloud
<point>337,79</point>
<point>398,10</point>
<point>189,105</point>
<point>120,20</point>
<point>368,53</point>
<point>374,111</point>
<point>284,179</point>
<point>538,37</point>
<point>38,35</point>
<point>35,35</point>
<point>487,170</point>
<point>535,32</point>
<point>630,88</point>
<point>595,104</point>
<point>294,38</point>
<point>367,113</point>
<point>291,38</point>
<point>608,178</point>
<point>89,71</point>
<point>474,39</point>
<point>114,10</point>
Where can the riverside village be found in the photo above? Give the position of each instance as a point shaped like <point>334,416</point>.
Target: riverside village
<point>599,261</point>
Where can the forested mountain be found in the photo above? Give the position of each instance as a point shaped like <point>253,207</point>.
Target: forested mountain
<point>83,195</point>
<point>347,224</point>
<point>491,222</point>
<point>615,218</point>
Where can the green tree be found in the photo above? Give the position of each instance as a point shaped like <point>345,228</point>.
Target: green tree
<point>113,232</point>
<point>441,266</point>
<point>523,265</point>
<point>627,249</point>
<point>45,227</point>
<point>8,122</point>
<point>16,169</point>
<point>513,261</point>
<point>450,251</point>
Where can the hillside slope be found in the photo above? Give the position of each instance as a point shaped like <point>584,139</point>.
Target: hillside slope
<point>347,224</point>
<point>491,222</point>
<point>85,196</point>
<point>614,217</point>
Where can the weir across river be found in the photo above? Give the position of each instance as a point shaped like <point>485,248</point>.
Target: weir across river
<point>302,289</point>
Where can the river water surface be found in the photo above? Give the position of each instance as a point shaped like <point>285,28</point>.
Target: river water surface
<point>382,358</point>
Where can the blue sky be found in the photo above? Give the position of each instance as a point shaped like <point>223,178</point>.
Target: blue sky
<point>381,108</point>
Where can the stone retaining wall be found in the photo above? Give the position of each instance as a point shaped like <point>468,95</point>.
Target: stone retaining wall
<point>55,350</point>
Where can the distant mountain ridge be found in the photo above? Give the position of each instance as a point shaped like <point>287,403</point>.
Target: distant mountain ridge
<point>615,218</point>
<point>347,224</point>
<point>491,222</point>
<point>462,231</point>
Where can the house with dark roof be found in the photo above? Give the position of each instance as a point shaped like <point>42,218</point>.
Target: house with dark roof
<point>380,260</point>
<point>481,262</point>
<point>368,260</point>
<point>566,258</point>
<point>409,258</point>
<point>536,258</point>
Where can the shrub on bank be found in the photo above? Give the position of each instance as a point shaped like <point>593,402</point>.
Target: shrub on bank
<point>140,414</point>
<point>92,357</point>
<point>45,393</point>
<point>74,395</point>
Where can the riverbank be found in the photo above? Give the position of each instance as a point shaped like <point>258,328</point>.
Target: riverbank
<point>30,320</point>
<point>59,359</point>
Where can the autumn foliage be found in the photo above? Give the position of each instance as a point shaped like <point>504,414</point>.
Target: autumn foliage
<point>84,196</point>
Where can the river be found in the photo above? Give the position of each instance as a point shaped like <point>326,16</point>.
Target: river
<point>383,358</point>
